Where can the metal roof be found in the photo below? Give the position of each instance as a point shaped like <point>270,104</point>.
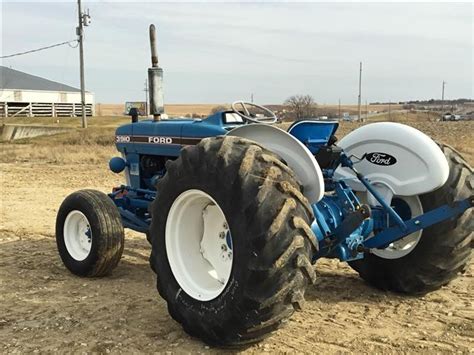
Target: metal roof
<point>16,80</point>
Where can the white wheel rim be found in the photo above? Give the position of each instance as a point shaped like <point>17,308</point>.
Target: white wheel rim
<point>199,245</point>
<point>404,246</point>
<point>77,235</point>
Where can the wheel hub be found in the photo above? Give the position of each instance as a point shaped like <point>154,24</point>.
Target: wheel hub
<point>199,245</point>
<point>407,207</point>
<point>214,247</point>
<point>77,235</point>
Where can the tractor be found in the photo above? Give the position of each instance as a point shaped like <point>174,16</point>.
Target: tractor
<point>237,212</point>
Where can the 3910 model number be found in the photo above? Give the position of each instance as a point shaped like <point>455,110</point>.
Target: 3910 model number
<point>122,139</point>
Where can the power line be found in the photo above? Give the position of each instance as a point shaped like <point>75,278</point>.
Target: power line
<point>38,49</point>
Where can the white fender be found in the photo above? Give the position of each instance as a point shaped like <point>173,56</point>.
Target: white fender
<point>397,156</point>
<point>296,155</point>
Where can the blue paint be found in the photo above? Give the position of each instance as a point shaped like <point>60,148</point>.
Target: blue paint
<point>334,240</point>
<point>440,214</point>
<point>228,239</point>
<point>117,164</point>
<point>345,161</point>
<point>177,129</point>
<point>313,134</point>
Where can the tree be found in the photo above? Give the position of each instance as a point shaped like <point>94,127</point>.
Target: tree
<point>301,106</point>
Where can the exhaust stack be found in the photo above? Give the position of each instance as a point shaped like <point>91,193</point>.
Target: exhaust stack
<point>155,80</point>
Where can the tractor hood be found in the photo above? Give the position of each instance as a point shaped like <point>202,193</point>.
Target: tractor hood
<point>169,135</point>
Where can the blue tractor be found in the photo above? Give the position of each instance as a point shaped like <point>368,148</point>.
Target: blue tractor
<point>237,212</point>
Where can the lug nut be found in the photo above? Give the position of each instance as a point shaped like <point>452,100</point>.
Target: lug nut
<point>222,235</point>
<point>225,225</point>
<point>224,247</point>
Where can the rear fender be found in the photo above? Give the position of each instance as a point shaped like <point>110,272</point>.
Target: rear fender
<point>397,156</point>
<point>296,155</point>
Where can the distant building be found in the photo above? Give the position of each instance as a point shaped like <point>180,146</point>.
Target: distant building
<point>26,95</point>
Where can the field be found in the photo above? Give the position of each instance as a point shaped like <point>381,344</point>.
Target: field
<point>204,109</point>
<point>43,308</point>
<point>170,109</point>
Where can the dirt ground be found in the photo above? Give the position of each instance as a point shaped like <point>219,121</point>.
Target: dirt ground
<point>44,308</point>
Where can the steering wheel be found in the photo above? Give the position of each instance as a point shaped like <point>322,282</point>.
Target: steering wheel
<point>271,118</point>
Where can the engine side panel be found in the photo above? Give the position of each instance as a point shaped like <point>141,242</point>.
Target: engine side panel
<point>146,145</point>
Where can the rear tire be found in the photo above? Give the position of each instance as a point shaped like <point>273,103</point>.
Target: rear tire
<point>443,250</point>
<point>89,233</point>
<point>272,242</point>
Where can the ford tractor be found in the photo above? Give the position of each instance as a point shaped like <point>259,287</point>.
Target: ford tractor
<point>237,212</point>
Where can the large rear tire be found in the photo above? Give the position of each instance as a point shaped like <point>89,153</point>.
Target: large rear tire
<point>443,250</point>
<point>266,220</point>
<point>89,233</point>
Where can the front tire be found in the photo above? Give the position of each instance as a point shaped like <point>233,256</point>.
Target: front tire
<point>89,233</point>
<point>443,250</point>
<point>250,191</point>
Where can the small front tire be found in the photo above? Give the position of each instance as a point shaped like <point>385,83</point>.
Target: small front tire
<point>89,233</point>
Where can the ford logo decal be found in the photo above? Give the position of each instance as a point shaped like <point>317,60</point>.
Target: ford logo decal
<point>383,159</point>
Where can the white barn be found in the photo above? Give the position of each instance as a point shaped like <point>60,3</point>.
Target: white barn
<point>27,95</point>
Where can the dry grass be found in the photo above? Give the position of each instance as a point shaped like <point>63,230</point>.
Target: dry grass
<point>93,145</point>
<point>73,122</point>
<point>96,143</point>
<point>57,154</point>
<point>174,110</point>
<point>407,117</point>
<point>354,109</point>
<point>188,109</point>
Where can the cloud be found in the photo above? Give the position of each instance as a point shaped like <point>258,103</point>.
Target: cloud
<point>215,52</point>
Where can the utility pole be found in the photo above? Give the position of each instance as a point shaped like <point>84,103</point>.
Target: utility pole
<point>339,109</point>
<point>251,97</point>
<point>389,111</point>
<point>442,97</point>
<point>146,97</point>
<point>360,89</point>
<point>84,20</point>
<point>366,111</point>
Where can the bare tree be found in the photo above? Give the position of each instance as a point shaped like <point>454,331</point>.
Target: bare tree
<point>301,106</point>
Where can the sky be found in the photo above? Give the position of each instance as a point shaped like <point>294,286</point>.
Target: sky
<point>215,52</point>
